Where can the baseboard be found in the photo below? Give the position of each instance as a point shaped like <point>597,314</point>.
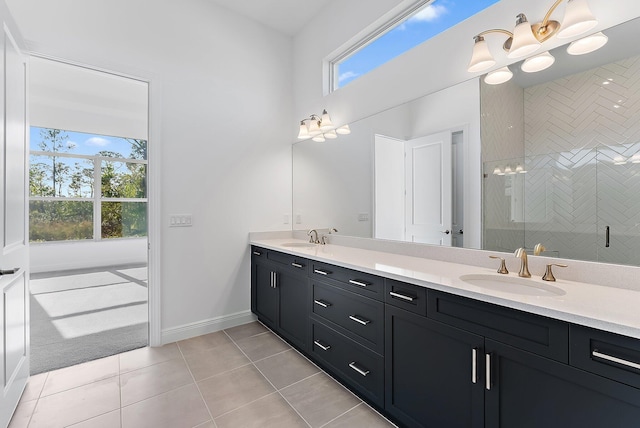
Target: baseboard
<point>212,325</point>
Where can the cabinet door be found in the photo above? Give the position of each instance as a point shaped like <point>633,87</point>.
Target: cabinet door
<point>265,294</point>
<point>530,391</point>
<point>432,372</point>
<point>293,321</point>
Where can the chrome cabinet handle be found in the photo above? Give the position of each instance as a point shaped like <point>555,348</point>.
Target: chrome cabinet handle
<point>320,272</point>
<point>297,265</point>
<point>271,278</point>
<point>474,365</point>
<point>360,283</point>
<point>487,359</point>
<point>321,346</point>
<point>322,303</point>
<point>257,253</point>
<point>353,365</point>
<point>359,320</point>
<point>274,280</point>
<point>401,296</point>
<point>611,358</point>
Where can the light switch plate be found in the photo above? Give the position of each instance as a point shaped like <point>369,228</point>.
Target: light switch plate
<point>180,220</point>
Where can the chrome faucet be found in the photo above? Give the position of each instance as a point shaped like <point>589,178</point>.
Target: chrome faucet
<point>524,264</point>
<point>313,236</point>
<point>323,240</point>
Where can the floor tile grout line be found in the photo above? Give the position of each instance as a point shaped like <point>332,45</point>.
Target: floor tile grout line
<point>340,415</point>
<point>197,386</point>
<point>273,386</point>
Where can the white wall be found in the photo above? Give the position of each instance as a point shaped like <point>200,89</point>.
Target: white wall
<point>49,257</point>
<point>221,85</point>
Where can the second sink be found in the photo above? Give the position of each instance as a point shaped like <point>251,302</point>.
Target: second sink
<point>512,284</point>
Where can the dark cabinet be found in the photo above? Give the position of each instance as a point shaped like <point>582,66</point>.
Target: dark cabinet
<point>530,391</point>
<point>432,359</point>
<point>279,294</point>
<point>433,371</point>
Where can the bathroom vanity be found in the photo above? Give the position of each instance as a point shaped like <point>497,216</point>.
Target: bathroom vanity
<point>427,344</point>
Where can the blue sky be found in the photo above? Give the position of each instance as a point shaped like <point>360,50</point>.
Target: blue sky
<point>437,17</point>
<point>86,144</point>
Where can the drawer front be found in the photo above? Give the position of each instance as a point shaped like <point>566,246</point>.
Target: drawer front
<point>363,318</point>
<point>533,333</point>
<point>606,354</point>
<point>406,296</point>
<point>358,282</point>
<point>360,368</point>
<point>289,262</point>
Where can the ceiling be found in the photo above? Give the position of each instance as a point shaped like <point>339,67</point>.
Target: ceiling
<point>285,16</point>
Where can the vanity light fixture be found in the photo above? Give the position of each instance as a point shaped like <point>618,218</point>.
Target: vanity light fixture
<point>527,39</point>
<point>320,128</point>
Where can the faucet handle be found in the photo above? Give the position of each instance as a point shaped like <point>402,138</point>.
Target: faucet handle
<point>538,249</point>
<point>548,275</point>
<point>503,267</point>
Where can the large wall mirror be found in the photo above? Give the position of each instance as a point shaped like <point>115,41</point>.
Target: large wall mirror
<point>550,157</point>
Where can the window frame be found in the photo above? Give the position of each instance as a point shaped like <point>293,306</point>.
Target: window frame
<point>377,32</point>
<point>97,198</point>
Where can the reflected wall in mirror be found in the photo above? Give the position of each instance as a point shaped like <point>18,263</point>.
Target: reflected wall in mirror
<point>357,183</point>
<point>554,171</point>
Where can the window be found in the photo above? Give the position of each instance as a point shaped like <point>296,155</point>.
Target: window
<point>86,187</point>
<point>414,26</point>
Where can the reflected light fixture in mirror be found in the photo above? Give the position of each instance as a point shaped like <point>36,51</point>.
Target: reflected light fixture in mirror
<point>587,44</point>
<point>498,76</point>
<point>320,128</point>
<point>527,39</point>
<point>538,63</point>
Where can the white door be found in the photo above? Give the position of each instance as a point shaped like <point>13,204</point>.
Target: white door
<point>14,307</point>
<point>428,179</point>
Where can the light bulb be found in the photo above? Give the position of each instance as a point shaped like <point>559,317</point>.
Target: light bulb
<point>577,20</point>
<point>524,42</point>
<point>304,132</point>
<point>481,58</point>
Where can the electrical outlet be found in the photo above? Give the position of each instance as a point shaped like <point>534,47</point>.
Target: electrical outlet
<point>298,218</point>
<point>285,218</point>
<point>180,220</point>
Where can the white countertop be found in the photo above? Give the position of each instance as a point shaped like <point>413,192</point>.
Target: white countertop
<point>607,308</point>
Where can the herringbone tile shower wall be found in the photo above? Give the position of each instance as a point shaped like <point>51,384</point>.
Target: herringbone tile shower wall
<point>581,148</point>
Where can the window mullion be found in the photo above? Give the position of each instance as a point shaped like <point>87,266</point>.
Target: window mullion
<point>97,203</point>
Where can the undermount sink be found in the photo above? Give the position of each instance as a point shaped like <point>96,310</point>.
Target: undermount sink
<point>298,244</point>
<point>512,284</point>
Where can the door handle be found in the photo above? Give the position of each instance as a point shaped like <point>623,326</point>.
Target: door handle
<point>9,271</point>
<point>446,232</point>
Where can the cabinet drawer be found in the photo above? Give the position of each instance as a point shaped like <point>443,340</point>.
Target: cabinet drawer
<point>406,296</point>
<point>606,354</point>
<point>360,368</point>
<point>533,333</point>
<point>363,318</point>
<point>283,260</point>
<point>358,282</point>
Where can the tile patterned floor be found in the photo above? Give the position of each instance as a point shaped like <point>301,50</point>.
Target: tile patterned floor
<point>241,377</point>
